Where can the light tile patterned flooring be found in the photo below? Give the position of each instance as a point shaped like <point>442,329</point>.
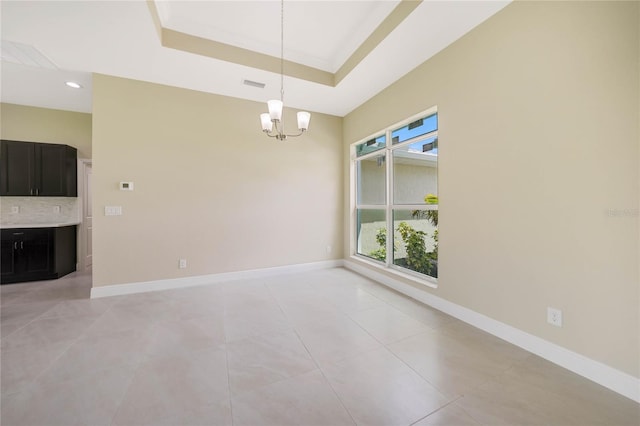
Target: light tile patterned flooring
<point>320,348</point>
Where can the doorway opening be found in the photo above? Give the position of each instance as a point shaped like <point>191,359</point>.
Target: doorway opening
<point>85,245</point>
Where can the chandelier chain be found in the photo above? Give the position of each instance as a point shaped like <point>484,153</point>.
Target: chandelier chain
<point>282,51</point>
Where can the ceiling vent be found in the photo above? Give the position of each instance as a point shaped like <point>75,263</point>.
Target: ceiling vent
<point>253,83</point>
<point>24,54</point>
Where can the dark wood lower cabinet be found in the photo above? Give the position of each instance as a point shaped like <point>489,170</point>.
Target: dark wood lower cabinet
<point>32,254</point>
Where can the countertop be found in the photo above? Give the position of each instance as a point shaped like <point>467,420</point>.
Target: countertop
<point>36,225</point>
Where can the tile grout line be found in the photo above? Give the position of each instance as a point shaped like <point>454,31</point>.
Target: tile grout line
<point>325,378</point>
<point>38,317</point>
<point>33,319</point>
<point>319,368</point>
<point>71,343</point>
<point>455,398</point>
<point>347,315</point>
<point>438,409</point>
<point>275,299</point>
<point>226,357</point>
<point>466,412</point>
<point>445,397</point>
<point>126,390</point>
<point>391,304</point>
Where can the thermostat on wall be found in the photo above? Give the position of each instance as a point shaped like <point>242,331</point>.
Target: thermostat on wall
<point>126,186</point>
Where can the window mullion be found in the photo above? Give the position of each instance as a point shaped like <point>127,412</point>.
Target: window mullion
<point>353,201</point>
<point>414,206</point>
<point>389,200</point>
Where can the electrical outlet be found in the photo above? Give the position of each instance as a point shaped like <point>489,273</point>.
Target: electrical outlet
<point>56,209</point>
<point>554,316</point>
<point>183,263</point>
<point>328,249</point>
<point>15,209</point>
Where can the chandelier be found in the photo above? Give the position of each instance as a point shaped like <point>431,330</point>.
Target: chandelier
<point>273,121</point>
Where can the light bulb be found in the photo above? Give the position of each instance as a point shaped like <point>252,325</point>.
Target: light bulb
<point>267,124</point>
<point>303,120</point>
<point>275,109</point>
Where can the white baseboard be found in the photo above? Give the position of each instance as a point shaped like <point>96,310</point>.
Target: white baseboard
<point>609,377</point>
<point>147,286</point>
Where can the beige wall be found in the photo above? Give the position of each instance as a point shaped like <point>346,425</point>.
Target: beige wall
<point>31,124</point>
<point>538,170</point>
<point>210,187</point>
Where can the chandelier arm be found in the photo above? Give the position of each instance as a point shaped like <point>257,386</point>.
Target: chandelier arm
<point>296,135</point>
<point>276,129</point>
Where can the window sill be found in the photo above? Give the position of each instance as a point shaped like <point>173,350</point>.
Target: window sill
<point>395,270</point>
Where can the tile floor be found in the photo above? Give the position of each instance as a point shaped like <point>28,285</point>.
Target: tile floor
<point>321,348</point>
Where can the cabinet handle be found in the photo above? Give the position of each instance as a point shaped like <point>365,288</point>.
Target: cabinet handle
<point>21,245</point>
<point>37,191</point>
<point>15,245</point>
<point>31,191</point>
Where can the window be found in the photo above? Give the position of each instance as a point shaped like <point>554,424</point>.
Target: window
<point>396,188</point>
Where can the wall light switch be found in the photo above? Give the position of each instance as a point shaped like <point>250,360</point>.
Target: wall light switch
<point>112,210</point>
<point>15,209</point>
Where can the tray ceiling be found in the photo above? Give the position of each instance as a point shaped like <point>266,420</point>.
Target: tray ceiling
<point>339,53</point>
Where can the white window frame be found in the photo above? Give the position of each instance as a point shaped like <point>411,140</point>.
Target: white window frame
<point>389,206</point>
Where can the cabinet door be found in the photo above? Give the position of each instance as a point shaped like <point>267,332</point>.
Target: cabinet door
<point>51,175</point>
<point>71,171</point>
<point>36,250</point>
<point>7,253</point>
<point>64,249</point>
<point>17,177</point>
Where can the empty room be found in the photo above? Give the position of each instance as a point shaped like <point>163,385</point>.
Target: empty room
<point>228,212</point>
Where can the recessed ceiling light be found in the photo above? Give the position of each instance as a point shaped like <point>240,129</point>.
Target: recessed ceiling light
<point>73,84</point>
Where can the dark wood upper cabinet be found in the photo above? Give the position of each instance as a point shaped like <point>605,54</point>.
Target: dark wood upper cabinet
<point>38,169</point>
<point>18,168</point>
<point>52,180</point>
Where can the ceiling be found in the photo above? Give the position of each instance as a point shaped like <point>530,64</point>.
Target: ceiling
<point>356,47</point>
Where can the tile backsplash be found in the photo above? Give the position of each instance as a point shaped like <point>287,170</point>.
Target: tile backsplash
<point>33,210</point>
